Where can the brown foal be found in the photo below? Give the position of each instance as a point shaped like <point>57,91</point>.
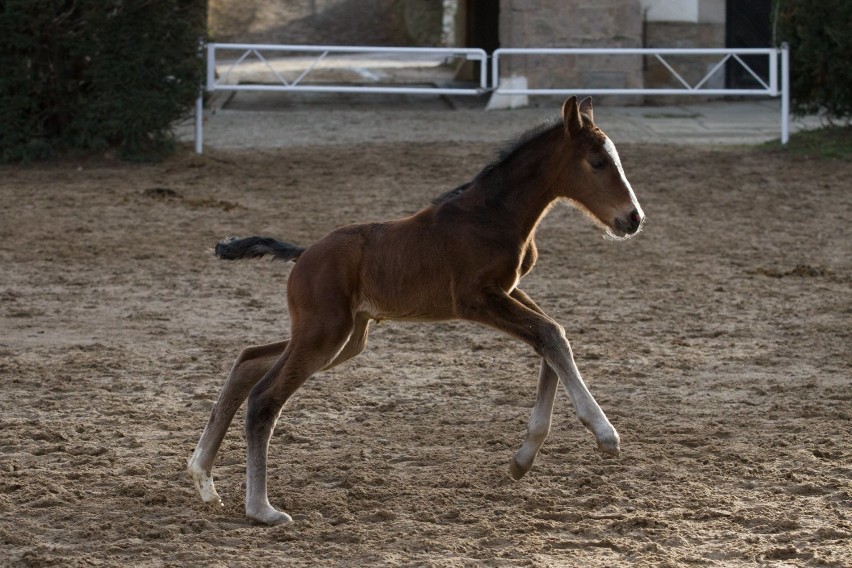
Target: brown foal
<point>460,258</point>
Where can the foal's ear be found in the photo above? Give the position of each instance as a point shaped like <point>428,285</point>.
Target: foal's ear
<point>571,116</point>
<point>586,108</point>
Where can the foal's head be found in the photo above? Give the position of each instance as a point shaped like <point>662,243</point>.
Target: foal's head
<point>597,185</point>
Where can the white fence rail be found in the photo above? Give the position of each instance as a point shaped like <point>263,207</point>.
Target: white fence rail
<point>767,87</point>
<point>312,57</point>
<point>268,59</point>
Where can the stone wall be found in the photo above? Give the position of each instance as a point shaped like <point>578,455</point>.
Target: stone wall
<point>573,23</point>
<point>691,68</point>
<point>327,22</point>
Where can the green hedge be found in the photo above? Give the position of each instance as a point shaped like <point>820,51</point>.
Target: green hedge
<point>96,74</point>
<point>820,36</point>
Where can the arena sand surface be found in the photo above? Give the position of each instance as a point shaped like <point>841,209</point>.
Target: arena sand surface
<point>717,341</point>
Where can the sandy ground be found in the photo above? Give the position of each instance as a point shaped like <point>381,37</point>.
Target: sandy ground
<point>717,341</point>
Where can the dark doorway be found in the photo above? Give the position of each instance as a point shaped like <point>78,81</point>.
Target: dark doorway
<point>482,27</point>
<point>483,24</point>
<point>747,24</point>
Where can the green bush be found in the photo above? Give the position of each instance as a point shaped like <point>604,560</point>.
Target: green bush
<point>818,32</point>
<point>96,74</point>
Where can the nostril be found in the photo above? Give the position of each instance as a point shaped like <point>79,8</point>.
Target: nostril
<point>635,220</point>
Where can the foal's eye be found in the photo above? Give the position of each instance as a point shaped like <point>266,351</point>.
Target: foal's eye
<point>597,164</point>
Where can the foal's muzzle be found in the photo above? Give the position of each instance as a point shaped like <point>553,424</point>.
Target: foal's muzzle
<point>630,224</point>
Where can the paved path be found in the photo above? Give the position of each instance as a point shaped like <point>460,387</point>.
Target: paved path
<point>749,122</point>
<point>266,120</point>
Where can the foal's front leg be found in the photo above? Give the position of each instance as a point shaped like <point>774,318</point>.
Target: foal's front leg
<point>495,308</point>
<point>539,424</point>
<point>590,414</point>
<point>542,412</point>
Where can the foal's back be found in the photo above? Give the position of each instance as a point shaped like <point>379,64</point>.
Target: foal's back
<point>403,269</point>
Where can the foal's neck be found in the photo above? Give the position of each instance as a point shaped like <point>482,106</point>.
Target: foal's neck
<point>520,190</point>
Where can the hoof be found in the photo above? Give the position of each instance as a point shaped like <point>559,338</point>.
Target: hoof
<point>516,470</point>
<point>270,517</point>
<point>204,484</point>
<point>610,445</point>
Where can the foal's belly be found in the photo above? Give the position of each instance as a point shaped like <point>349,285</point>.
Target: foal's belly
<point>415,311</point>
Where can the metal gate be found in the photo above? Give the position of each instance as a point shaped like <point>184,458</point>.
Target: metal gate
<point>268,60</point>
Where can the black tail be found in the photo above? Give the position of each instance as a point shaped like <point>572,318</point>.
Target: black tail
<point>257,247</point>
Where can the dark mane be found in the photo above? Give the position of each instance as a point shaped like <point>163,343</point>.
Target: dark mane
<point>503,155</point>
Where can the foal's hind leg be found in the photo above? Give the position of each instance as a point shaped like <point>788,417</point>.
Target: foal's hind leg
<point>311,349</point>
<point>251,365</point>
<point>357,341</point>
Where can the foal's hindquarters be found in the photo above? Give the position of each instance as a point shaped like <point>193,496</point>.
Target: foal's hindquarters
<point>325,331</point>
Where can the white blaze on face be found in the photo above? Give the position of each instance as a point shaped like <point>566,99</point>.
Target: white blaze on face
<point>609,147</point>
